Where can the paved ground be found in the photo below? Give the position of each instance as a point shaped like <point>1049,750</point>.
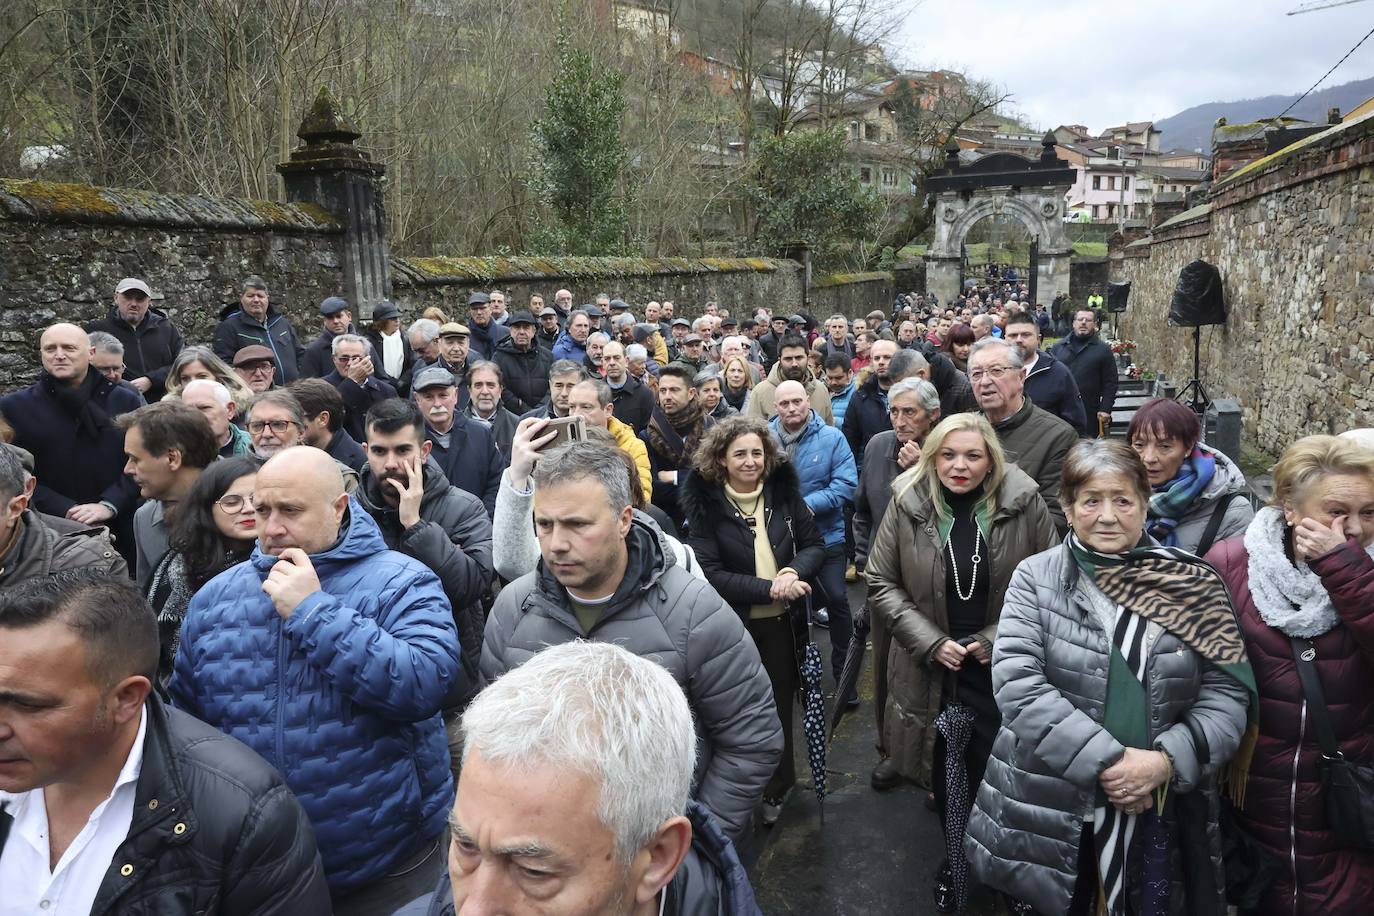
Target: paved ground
<point>872,853</point>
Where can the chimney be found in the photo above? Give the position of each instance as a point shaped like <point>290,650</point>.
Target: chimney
<point>1333,116</point>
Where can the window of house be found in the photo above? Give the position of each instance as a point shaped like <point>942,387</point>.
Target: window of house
<point>872,132</point>
<point>889,178</point>
<point>866,175</point>
<point>1111,183</point>
<point>1111,211</point>
<point>1097,212</point>
<point>1097,182</point>
<point>1125,182</point>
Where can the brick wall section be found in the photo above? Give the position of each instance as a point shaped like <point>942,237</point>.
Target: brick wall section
<point>64,247</point>
<point>739,284</point>
<point>1293,237</point>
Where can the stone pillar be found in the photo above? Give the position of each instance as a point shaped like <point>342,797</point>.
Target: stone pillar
<point>942,278</point>
<point>1053,275</point>
<point>329,171</point>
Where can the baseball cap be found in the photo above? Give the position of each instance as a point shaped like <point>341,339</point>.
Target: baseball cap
<point>254,353</point>
<point>133,283</point>
<point>454,329</point>
<point>333,305</point>
<point>433,377</point>
<point>520,318</point>
<point>548,310</point>
<point>479,299</point>
<point>384,310</point>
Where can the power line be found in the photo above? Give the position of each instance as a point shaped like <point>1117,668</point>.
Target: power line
<point>1315,5</point>
<point>1328,73</point>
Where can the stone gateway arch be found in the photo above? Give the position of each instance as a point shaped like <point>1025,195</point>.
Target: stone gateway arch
<point>1000,184</point>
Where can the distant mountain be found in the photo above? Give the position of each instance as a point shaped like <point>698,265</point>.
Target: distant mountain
<point>1192,127</point>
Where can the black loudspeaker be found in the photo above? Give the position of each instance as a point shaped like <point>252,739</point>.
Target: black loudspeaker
<point>1198,297</point>
<point>1117,294</point>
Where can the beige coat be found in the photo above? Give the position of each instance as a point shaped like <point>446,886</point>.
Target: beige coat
<point>760,402</point>
<point>906,589</point>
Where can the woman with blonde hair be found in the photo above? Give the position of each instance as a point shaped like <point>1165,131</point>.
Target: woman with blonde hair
<point>201,362</point>
<point>737,381</point>
<point>959,523</point>
<point>1302,578</point>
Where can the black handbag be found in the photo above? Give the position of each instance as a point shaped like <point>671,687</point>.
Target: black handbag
<point>1347,787</point>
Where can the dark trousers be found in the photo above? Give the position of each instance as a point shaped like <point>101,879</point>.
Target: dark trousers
<point>849,553</point>
<point>778,650</point>
<point>836,600</point>
<point>410,879</point>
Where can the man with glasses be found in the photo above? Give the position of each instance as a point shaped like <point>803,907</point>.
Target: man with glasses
<point>275,422</point>
<point>257,367</point>
<point>355,378</point>
<point>1035,439</point>
<point>107,358</point>
<point>150,341</point>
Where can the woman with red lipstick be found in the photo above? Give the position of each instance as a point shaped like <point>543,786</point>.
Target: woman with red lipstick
<point>958,524</point>
<point>213,528</point>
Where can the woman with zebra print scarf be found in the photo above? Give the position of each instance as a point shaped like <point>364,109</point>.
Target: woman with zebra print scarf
<point>1123,684</point>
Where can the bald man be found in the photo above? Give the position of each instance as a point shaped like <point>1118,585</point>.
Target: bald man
<point>331,656</point>
<point>66,421</point>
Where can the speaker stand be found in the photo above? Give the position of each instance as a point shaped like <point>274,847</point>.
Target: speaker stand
<point>1193,392</point>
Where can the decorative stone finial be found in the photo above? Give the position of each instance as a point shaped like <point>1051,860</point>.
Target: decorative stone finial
<point>325,123</point>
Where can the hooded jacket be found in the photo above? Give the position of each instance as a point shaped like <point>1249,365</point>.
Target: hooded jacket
<point>148,349</point>
<point>524,375</point>
<point>710,882</point>
<point>214,829</point>
<point>1228,483</point>
<point>42,549</point>
<point>342,697</point>
<point>1051,386</point>
<point>453,540</point>
<point>1284,798</point>
<point>760,403</point>
<point>237,329</point>
<point>1037,441</point>
<point>662,612</point>
<point>630,443</point>
<point>1049,672</point>
<point>906,589</point>
<point>566,347</point>
<point>825,466</point>
<point>471,462</point>
<point>1094,371</point>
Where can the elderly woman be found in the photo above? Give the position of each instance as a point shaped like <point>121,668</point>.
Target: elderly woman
<point>938,568</point>
<point>913,408</point>
<point>738,382</point>
<point>201,362</point>
<point>1123,686</point>
<point>1303,578</point>
<point>708,387</point>
<point>1199,495</point>
<point>757,544</point>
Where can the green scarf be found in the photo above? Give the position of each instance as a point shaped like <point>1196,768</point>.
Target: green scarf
<point>1187,597</point>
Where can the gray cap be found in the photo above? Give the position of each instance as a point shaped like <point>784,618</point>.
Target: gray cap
<point>548,310</point>
<point>479,299</point>
<point>333,305</point>
<point>384,310</point>
<point>434,376</point>
<point>692,338</point>
<point>681,321</point>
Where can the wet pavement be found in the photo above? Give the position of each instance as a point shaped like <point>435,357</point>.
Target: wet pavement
<point>872,853</point>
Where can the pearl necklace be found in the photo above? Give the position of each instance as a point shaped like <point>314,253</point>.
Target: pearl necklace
<point>977,558</point>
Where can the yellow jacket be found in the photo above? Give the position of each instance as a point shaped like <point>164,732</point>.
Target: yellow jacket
<point>633,446</point>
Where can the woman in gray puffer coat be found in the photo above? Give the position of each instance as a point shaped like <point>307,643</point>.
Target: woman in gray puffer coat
<point>1123,684</point>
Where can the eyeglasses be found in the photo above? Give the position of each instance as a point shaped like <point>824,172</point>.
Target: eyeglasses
<point>277,426</point>
<point>993,372</point>
<point>234,503</point>
<point>348,357</point>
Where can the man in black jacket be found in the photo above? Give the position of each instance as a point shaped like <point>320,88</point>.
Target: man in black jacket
<point>191,820</point>
<point>634,402</point>
<point>150,339</point>
<point>323,408</point>
<point>253,321</point>
<point>443,527</point>
<point>1090,360</point>
<point>1049,384</point>
<point>464,449</point>
<point>335,318</point>
<point>356,378</point>
<point>524,366</point>
<point>486,334</point>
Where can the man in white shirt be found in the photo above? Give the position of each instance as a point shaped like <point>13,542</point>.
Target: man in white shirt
<point>109,801</point>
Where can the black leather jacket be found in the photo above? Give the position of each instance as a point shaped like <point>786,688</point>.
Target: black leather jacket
<point>215,831</point>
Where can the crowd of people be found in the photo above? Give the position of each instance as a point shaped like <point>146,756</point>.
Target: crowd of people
<point>510,613</point>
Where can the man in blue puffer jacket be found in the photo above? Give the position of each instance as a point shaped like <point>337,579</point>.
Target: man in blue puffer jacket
<point>331,656</point>
<point>829,476</point>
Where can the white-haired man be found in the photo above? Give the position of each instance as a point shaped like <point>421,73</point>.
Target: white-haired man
<point>214,400</point>
<point>606,574</point>
<point>573,797</point>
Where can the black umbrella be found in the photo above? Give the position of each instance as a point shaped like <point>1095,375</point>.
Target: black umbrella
<point>813,717</point>
<point>848,680</point>
<point>955,723</point>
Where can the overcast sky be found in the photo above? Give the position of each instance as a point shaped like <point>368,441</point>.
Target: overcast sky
<point>1098,64</point>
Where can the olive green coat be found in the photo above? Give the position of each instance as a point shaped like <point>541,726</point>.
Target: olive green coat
<point>906,589</point>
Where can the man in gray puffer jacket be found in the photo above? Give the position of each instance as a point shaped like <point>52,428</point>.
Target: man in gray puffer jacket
<point>606,574</point>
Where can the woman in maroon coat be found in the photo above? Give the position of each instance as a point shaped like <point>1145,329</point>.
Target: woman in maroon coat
<point>1305,568</point>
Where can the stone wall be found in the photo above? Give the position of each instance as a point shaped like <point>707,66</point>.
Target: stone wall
<point>852,295</point>
<point>739,284</point>
<point>64,247</point>
<point>1293,237</point>
<point>1084,274</point>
